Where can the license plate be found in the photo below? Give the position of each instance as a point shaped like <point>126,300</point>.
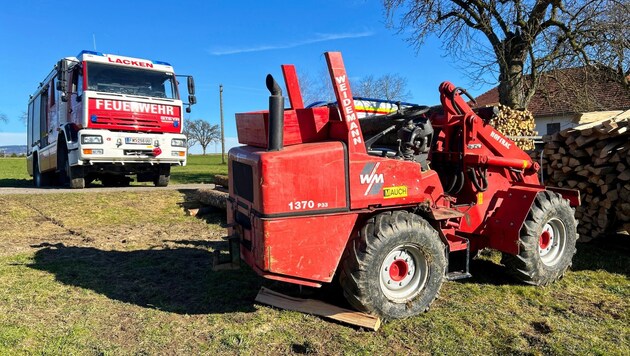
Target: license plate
<point>138,140</point>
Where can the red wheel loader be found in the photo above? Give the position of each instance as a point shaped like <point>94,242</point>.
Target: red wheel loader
<point>393,215</point>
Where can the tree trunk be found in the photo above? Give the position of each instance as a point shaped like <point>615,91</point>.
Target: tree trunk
<point>512,54</point>
<point>511,90</point>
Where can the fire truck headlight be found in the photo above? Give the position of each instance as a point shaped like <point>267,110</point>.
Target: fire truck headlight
<point>91,139</point>
<point>178,142</point>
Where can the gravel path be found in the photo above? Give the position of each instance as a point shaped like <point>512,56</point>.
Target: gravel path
<point>57,190</point>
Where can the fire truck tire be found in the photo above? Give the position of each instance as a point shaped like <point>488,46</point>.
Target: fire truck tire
<point>547,241</point>
<point>162,180</point>
<point>39,179</point>
<point>395,267</point>
<point>73,177</point>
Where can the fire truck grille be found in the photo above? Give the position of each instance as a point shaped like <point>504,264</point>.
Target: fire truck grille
<point>138,152</point>
<point>130,123</point>
<point>243,180</point>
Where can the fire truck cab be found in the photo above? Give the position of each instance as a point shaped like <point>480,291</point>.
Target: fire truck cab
<point>106,117</point>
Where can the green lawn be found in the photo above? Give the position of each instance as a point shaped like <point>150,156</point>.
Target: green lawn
<point>13,173</point>
<point>129,273</point>
<point>199,169</point>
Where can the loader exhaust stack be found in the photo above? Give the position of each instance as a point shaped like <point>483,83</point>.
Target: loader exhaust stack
<point>276,115</point>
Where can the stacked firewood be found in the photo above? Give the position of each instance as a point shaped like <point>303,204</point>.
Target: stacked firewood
<point>593,158</point>
<point>517,125</point>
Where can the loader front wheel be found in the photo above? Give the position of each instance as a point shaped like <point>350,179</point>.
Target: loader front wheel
<point>394,267</point>
<point>547,241</point>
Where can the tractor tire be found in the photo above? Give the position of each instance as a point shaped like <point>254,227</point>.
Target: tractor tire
<point>395,267</point>
<point>547,241</point>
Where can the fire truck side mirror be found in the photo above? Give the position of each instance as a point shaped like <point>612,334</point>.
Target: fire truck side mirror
<point>62,69</point>
<point>191,86</point>
<point>192,100</point>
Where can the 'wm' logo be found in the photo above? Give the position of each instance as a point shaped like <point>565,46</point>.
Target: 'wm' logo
<point>371,178</point>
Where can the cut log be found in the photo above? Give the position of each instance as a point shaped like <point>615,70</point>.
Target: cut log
<point>221,179</point>
<point>316,307</point>
<point>215,198</point>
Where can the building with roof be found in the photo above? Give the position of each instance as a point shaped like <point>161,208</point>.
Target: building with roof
<point>570,97</point>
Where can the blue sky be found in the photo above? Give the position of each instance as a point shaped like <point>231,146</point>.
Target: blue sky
<point>234,43</point>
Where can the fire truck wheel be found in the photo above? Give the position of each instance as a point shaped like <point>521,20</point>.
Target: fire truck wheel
<point>39,179</point>
<point>74,180</point>
<point>394,267</point>
<point>547,241</point>
<point>68,175</point>
<point>161,180</point>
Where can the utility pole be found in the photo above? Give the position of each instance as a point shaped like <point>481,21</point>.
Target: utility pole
<point>222,135</point>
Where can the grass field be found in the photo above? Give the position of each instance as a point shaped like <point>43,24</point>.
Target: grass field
<point>13,173</point>
<point>129,273</point>
<point>199,169</point>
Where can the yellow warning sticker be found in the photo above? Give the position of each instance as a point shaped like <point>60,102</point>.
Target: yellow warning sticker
<point>395,192</point>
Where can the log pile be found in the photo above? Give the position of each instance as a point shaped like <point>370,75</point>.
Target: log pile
<point>207,200</point>
<point>593,158</point>
<point>516,124</point>
<point>216,197</point>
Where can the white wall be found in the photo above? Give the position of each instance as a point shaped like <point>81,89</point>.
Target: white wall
<point>565,123</point>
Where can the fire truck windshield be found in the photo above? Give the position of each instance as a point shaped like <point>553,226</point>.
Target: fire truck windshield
<point>132,81</point>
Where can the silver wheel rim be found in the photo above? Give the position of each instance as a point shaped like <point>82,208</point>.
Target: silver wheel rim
<point>552,241</point>
<point>403,273</point>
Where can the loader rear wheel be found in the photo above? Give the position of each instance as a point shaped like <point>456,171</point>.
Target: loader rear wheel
<point>547,241</point>
<point>394,267</point>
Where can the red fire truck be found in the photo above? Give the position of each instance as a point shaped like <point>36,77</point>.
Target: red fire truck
<point>106,117</point>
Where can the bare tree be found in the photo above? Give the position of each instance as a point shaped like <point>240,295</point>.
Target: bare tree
<point>3,118</point>
<point>318,89</point>
<point>389,87</point>
<point>608,40</point>
<point>24,118</point>
<point>203,132</point>
<point>309,89</point>
<point>518,40</point>
<point>190,139</point>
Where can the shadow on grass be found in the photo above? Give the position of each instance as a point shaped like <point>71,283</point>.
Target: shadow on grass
<point>211,215</point>
<point>192,178</point>
<point>609,254</point>
<point>16,183</point>
<point>178,280</point>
